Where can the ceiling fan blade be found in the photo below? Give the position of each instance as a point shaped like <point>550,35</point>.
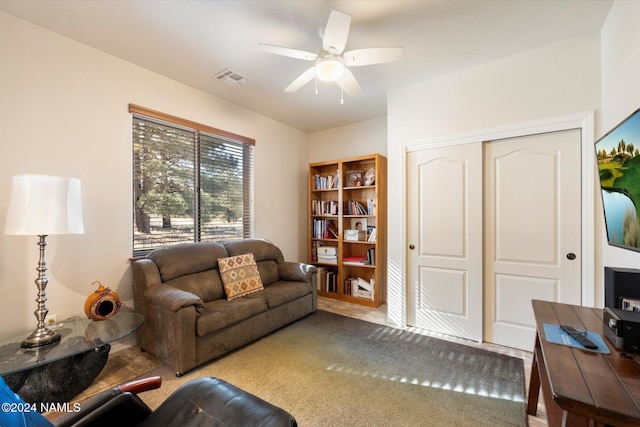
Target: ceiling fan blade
<point>336,32</point>
<point>349,83</point>
<point>302,80</point>
<point>375,55</point>
<point>285,51</point>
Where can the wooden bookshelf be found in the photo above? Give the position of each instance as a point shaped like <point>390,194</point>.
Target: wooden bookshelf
<point>348,228</point>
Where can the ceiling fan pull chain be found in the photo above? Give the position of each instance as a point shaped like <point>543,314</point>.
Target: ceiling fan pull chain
<point>342,91</point>
<point>316,85</point>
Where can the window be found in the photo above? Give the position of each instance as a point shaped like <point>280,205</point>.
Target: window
<point>190,182</point>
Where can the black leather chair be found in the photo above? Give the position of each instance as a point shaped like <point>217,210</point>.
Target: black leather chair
<point>199,402</point>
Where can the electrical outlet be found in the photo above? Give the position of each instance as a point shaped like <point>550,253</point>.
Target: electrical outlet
<point>51,319</point>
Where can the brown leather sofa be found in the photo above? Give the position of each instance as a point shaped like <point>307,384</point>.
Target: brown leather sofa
<point>188,319</point>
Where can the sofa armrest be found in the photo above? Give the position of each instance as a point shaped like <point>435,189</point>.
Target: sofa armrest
<point>146,273</point>
<point>173,299</point>
<point>296,271</point>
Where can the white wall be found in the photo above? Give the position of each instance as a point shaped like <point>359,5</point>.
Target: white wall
<point>620,98</point>
<point>358,139</point>
<point>63,111</point>
<point>556,80</point>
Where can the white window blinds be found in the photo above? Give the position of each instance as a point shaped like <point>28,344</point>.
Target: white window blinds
<point>189,183</point>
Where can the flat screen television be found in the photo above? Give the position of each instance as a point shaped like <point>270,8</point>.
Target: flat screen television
<point>618,155</point>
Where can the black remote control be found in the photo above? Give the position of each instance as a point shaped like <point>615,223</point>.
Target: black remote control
<point>579,336</point>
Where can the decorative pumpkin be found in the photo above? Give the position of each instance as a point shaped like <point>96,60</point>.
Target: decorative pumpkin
<point>102,304</point>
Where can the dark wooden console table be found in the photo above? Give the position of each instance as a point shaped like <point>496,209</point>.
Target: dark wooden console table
<point>580,387</point>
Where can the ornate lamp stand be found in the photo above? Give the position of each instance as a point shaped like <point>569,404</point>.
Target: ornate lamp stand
<point>42,335</point>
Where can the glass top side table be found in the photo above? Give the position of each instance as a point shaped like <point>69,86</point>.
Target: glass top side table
<point>79,335</point>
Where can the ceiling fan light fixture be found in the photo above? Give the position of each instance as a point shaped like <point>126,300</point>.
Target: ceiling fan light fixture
<point>329,68</point>
<point>332,62</point>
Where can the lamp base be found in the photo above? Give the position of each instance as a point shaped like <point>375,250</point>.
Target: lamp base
<point>40,337</point>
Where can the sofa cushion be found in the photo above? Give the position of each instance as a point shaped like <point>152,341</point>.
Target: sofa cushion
<point>240,275</point>
<point>283,292</point>
<point>221,313</point>
<point>206,284</point>
<point>266,254</point>
<point>261,249</point>
<point>268,272</point>
<point>187,258</point>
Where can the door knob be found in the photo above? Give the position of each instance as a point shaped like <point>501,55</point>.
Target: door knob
<point>412,246</point>
<point>571,256</point>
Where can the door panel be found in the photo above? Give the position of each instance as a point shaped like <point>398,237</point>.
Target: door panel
<point>445,292</point>
<point>442,212</point>
<point>445,229</point>
<point>510,288</point>
<point>525,201</point>
<point>533,220</point>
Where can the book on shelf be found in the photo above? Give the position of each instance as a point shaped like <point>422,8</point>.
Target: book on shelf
<point>359,287</point>
<point>355,259</point>
<point>325,182</point>
<point>327,279</point>
<point>365,284</point>
<point>324,207</point>
<point>371,232</point>
<point>366,288</point>
<point>325,229</point>
<point>371,206</point>
<point>332,279</point>
<point>365,294</point>
<point>350,286</point>
<point>371,256</point>
<point>354,207</point>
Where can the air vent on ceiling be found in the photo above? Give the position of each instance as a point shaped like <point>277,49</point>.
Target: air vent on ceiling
<point>231,77</point>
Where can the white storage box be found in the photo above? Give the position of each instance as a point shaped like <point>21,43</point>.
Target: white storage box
<point>327,250</point>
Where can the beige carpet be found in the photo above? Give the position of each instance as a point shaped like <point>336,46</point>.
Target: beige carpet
<point>329,370</point>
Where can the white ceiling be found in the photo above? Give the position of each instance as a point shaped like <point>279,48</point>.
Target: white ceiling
<point>191,41</point>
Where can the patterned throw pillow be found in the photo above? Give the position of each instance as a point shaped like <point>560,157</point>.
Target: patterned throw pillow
<point>240,275</point>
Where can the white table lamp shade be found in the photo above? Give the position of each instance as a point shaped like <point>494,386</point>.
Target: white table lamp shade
<point>44,205</point>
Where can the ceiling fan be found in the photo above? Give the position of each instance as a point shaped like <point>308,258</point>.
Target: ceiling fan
<point>331,62</point>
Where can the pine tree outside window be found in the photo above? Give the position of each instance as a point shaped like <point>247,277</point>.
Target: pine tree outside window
<point>191,182</point>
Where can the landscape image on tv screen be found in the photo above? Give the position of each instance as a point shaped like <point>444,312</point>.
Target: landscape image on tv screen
<point>618,154</point>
